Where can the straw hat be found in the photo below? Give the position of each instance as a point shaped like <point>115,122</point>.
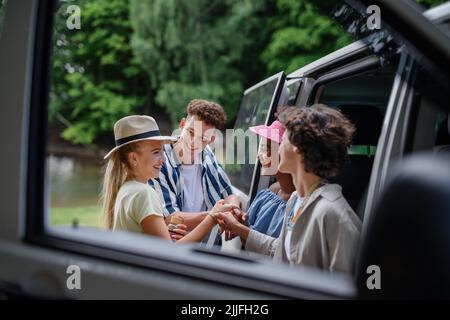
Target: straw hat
<point>137,128</point>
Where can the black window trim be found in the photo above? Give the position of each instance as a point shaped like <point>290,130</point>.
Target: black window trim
<point>36,232</point>
<point>295,80</point>
<point>38,120</point>
<point>353,68</point>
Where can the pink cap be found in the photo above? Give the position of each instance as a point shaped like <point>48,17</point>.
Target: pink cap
<point>273,132</point>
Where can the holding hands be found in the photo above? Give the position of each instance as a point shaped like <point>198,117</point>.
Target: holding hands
<point>228,216</point>
<point>231,219</point>
<point>221,208</point>
<point>177,229</point>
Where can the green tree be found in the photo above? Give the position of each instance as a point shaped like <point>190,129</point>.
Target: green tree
<point>199,49</point>
<point>95,78</point>
<point>431,3</point>
<point>301,35</point>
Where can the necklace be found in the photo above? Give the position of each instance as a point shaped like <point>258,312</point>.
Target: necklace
<point>294,218</point>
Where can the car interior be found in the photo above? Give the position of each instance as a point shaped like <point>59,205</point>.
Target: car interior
<point>363,98</point>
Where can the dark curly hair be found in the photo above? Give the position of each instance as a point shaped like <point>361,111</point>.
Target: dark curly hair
<point>210,112</point>
<point>321,134</point>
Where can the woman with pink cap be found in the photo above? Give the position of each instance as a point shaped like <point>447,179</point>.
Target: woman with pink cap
<point>267,209</point>
<point>319,227</point>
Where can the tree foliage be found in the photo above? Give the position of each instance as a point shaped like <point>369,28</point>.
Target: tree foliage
<point>198,49</point>
<point>136,56</point>
<point>301,36</point>
<point>95,80</point>
<point>430,3</point>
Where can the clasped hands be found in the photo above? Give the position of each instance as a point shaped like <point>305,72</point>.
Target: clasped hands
<point>230,218</point>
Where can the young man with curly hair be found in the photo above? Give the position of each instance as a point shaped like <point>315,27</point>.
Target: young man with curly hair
<point>191,180</point>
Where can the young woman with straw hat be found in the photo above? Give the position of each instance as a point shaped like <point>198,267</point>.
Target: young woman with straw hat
<point>129,203</point>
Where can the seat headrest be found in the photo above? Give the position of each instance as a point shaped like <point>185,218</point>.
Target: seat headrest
<point>407,235</point>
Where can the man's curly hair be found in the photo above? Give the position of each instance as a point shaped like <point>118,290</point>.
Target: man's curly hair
<point>210,112</point>
<point>322,135</point>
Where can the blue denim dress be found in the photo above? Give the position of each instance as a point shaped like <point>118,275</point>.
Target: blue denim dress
<point>266,213</point>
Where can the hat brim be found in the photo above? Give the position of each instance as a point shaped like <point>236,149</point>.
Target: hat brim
<point>164,139</point>
<point>265,131</point>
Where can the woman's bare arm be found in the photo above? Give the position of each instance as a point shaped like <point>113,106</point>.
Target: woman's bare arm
<point>191,219</point>
<point>155,225</point>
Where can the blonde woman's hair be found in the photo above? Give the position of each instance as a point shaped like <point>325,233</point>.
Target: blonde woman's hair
<point>116,172</point>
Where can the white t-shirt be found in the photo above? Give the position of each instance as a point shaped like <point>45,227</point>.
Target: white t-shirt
<point>193,200</point>
<point>135,201</point>
<point>287,239</point>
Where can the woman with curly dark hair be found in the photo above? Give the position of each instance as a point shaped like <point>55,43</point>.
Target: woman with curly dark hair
<point>320,229</point>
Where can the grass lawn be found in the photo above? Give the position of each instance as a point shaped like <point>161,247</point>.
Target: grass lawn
<point>86,216</point>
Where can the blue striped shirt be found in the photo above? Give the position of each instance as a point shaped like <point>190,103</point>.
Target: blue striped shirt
<point>169,184</point>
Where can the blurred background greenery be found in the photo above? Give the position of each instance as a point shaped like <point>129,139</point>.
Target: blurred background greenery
<point>152,57</point>
<point>134,56</point>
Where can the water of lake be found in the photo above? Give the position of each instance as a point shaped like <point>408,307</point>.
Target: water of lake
<point>73,182</point>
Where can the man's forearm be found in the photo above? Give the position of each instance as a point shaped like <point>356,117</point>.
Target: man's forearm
<point>191,219</point>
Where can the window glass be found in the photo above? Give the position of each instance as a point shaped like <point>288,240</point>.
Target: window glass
<point>293,87</point>
<point>429,127</point>
<point>254,109</point>
<point>113,59</point>
<point>2,14</point>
